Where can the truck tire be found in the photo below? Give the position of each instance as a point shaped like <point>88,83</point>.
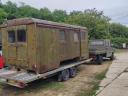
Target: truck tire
<point>72,72</point>
<point>99,59</point>
<point>112,57</point>
<point>63,75</point>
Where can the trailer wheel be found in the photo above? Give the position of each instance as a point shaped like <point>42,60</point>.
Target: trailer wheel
<point>99,59</point>
<point>63,75</point>
<point>72,72</point>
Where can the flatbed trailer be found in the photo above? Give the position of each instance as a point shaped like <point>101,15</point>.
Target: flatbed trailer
<point>22,78</point>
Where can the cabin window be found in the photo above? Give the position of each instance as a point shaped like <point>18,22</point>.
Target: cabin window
<point>76,36</point>
<point>11,36</point>
<point>62,35</point>
<point>21,35</point>
<point>83,35</point>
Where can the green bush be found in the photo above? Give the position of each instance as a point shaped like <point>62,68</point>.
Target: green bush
<point>117,42</point>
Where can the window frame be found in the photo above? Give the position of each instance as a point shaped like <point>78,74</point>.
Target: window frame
<point>14,36</point>
<point>21,41</point>
<point>62,37</point>
<point>78,36</point>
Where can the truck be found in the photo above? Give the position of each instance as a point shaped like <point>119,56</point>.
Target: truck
<point>99,49</point>
<point>35,49</point>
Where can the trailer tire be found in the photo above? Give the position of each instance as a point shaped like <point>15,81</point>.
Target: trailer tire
<point>63,75</point>
<point>72,72</point>
<point>99,59</point>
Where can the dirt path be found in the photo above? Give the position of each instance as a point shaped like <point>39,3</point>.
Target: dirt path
<point>52,88</point>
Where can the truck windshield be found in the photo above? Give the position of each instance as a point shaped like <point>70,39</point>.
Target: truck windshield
<point>96,43</point>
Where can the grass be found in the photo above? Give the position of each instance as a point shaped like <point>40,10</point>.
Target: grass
<point>90,92</point>
<point>45,85</point>
<point>54,85</point>
<point>40,85</point>
<point>101,75</point>
<point>94,85</point>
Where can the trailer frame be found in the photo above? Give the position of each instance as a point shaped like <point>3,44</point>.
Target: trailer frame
<point>22,78</point>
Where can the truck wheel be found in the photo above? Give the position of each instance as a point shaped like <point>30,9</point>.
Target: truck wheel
<point>112,56</point>
<point>63,75</point>
<point>72,72</point>
<point>99,59</point>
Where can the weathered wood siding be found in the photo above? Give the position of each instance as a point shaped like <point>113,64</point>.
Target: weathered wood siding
<point>69,49</point>
<point>32,47</point>
<point>84,46</point>
<point>47,49</point>
<point>4,45</point>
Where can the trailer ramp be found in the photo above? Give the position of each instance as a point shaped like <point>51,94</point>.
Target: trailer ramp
<point>16,78</point>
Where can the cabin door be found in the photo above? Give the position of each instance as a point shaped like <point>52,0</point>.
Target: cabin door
<point>11,58</point>
<point>21,47</point>
<point>18,46</point>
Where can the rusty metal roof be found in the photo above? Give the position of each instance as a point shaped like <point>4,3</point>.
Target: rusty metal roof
<point>26,21</point>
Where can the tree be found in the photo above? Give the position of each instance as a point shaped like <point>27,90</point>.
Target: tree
<point>59,15</point>
<point>94,20</point>
<point>118,30</point>
<point>46,14</point>
<point>11,9</point>
<point>3,15</point>
<point>28,11</point>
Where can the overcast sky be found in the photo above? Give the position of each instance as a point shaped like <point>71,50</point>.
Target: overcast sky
<point>116,9</point>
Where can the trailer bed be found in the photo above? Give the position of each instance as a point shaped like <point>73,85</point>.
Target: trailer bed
<point>22,78</point>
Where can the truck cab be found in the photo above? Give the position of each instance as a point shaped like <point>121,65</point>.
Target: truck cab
<point>101,48</point>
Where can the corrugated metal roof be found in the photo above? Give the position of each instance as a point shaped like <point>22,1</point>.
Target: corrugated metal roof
<point>26,21</point>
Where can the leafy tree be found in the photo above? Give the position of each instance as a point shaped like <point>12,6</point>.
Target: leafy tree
<point>46,14</point>
<point>59,15</point>
<point>3,15</point>
<point>95,21</point>
<point>119,34</point>
<point>11,9</point>
<point>118,30</point>
<point>28,11</point>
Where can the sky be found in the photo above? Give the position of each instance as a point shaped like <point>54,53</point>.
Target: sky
<point>115,9</point>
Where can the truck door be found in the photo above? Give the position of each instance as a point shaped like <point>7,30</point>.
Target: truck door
<point>17,47</point>
<point>108,48</point>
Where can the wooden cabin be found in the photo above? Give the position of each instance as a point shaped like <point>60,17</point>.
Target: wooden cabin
<point>40,45</point>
